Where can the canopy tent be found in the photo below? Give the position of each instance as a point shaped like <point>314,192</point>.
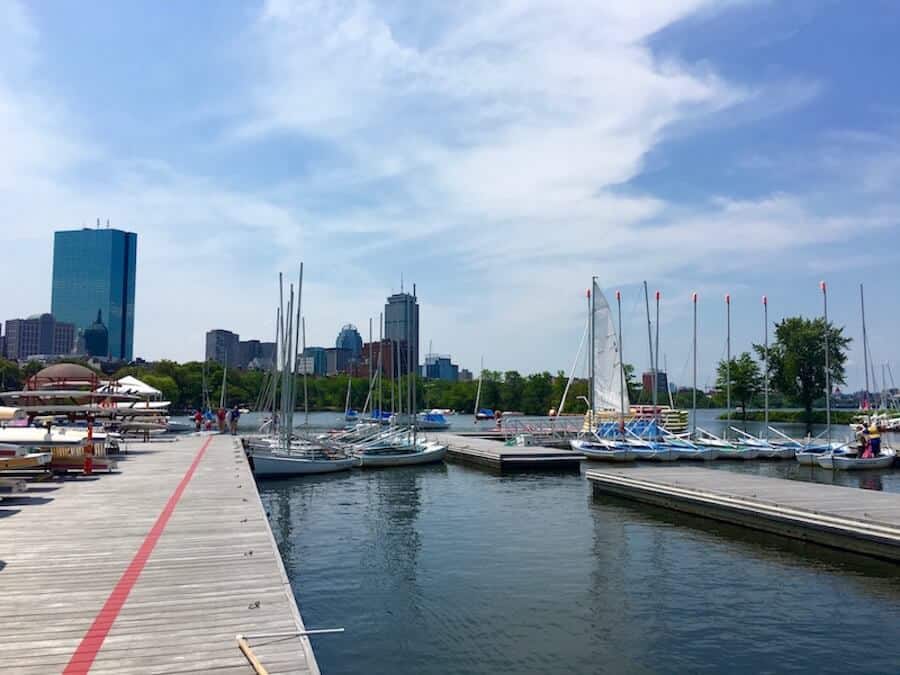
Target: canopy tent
<point>131,385</point>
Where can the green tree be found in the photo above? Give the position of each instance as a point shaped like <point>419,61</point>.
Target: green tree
<point>746,379</point>
<point>797,359</point>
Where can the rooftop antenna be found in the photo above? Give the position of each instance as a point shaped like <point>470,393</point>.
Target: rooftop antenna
<point>401,282</point>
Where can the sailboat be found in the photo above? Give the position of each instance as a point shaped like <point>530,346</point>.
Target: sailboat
<point>281,454</point>
<point>838,457</point>
<point>607,384</point>
<point>481,413</point>
<point>350,415</point>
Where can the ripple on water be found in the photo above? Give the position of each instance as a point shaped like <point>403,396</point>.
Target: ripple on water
<point>454,570</point>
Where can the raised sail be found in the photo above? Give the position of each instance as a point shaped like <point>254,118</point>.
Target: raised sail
<point>608,387</point>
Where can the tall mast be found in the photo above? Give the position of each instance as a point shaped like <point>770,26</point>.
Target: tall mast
<point>478,391</point>
<point>590,300</point>
<point>656,368</point>
<point>305,386</point>
<point>380,364</point>
<point>649,335</point>
<point>765,301</point>
<point>694,387</point>
<point>728,360</point>
<point>862,305</point>
<point>827,366</point>
<point>621,369</point>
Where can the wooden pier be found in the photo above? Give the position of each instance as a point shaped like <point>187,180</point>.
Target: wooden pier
<point>862,521</point>
<point>156,568</point>
<point>504,457</point>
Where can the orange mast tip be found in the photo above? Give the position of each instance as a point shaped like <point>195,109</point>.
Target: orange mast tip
<point>694,296</point>
<point>657,295</point>
<point>728,298</point>
<point>618,295</point>
<point>822,286</point>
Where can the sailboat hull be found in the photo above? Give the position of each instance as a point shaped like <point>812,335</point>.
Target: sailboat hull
<point>602,452</point>
<point>700,454</point>
<point>429,456</point>
<point>271,465</point>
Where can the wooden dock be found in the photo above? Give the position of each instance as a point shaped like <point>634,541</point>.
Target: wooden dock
<point>504,457</point>
<point>862,521</point>
<point>156,568</point>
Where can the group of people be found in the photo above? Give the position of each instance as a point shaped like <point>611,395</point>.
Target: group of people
<point>869,441</point>
<point>227,420</point>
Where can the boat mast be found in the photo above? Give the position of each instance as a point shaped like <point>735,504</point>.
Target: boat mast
<point>347,401</point>
<point>305,372</point>
<point>728,362</point>
<point>224,373</point>
<point>415,377</point>
<point>862,304</point>
<point>621,370</point>
<point>478,391</point>
<point>694,387</point>
<point>827,367</point>
<point>656,369</point>
<point>590,300</point>
<point>650,337</point>
<point>765,301</point>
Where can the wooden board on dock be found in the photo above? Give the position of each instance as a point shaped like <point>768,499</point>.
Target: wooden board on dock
<point>862,521</point>
<point>214,571</point>
<point>506,457</point>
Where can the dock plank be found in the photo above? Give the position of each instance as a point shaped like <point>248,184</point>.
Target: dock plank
<point>215,560</point>
<point>497,455</point>
<point>862,521</point>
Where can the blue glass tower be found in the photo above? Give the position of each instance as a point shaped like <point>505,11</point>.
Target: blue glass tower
<point>93,270</point>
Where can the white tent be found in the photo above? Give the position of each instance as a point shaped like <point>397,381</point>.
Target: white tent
<point>132,385</point>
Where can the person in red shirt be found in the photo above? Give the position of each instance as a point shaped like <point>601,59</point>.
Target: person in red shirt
<point>220,416</point>
<point>198,419</point>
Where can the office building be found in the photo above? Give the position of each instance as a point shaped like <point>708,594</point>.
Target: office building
<point>223,346</point>
<point>320,360</point>
<point>662,383</point>
<point>440,367</point>
<point>255,354</point>
<point>337,361</point>
<point>94,270</point>
<point>401,324</point>
<point>349,339</point>
<point>40,334</point>
<point>95,338</point>
<point>465,375</point>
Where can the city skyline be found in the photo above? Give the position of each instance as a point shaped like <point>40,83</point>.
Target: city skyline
<point>704,146</point>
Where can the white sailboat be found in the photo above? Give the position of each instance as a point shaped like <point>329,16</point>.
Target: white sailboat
<point>607,383</point>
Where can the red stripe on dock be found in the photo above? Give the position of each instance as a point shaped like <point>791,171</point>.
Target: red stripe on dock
<point>90,645</point>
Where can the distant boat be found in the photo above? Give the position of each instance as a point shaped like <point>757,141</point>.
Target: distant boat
<point>432,421</point>
<point>484,414</point>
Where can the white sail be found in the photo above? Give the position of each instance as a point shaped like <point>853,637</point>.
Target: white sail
<point>608,392</point>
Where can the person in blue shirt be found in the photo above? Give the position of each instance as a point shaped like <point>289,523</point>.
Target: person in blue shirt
<point>235,416</point>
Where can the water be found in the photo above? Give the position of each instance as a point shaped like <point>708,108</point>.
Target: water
<point>448,569</point>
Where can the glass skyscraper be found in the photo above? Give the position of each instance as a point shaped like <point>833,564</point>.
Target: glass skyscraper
<point>94,270</point>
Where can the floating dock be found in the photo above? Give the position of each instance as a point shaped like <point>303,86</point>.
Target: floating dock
<point>156,568</point>
<point>482,452</point>
<point>861,521</point>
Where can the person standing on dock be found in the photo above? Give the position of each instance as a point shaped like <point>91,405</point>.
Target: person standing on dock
<point>220,416</point>
<point>198,419</point>
<point>235,416</point>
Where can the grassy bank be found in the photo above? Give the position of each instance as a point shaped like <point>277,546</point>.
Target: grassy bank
<point>795,416</point>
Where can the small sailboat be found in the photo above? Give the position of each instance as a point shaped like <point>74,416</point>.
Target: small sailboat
<point>282,454</point>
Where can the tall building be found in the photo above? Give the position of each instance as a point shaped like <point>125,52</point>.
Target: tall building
<point>337,361</point>
<point>350,340</point>
<point>223,346</point>
<point>662,383</point>
<point>320,360</point>
<point>40,334</point>
<point>94,270</point>
<point>260,354</point>
<point>401,324</point>
<point>440,367</point>
<point>96,338</point>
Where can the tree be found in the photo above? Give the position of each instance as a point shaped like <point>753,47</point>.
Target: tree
<point>797,359</point>
<point>746,379</point>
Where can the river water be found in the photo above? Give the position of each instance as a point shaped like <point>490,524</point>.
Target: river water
<point>448,569</point>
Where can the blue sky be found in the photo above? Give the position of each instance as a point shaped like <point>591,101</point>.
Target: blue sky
<point>497,154</point>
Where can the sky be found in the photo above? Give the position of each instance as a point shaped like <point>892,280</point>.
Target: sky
<point>496,154</point>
